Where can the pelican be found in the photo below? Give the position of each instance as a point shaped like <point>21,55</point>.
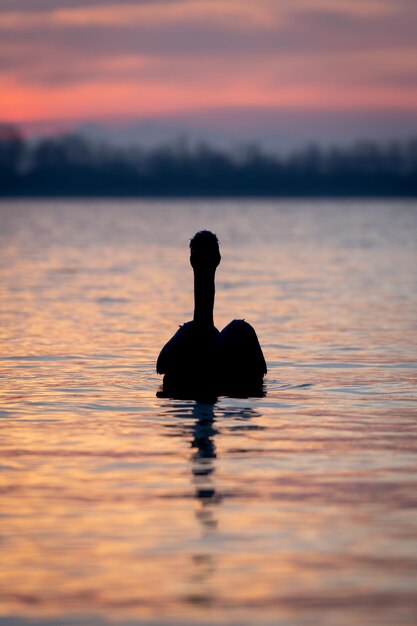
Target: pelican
<point>199,360</point>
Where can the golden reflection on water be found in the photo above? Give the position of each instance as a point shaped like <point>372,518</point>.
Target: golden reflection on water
<point>296,508</point>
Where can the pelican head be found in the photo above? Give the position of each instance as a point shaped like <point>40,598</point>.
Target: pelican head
<point>204,250</point>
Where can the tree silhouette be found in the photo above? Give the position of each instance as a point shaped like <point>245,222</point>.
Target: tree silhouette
<point>70,165</point>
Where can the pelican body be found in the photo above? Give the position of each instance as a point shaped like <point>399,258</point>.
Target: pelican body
<point>201,361</point>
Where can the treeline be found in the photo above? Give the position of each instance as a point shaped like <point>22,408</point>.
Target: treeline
<point>73,166</point>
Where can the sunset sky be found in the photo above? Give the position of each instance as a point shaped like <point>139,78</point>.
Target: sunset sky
<point>301,66</point>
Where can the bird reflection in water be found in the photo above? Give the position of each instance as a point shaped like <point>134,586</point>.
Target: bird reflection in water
<point>203,466</point>
<point>208,495</point>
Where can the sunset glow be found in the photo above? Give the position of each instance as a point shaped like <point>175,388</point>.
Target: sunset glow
<point>63,61</point>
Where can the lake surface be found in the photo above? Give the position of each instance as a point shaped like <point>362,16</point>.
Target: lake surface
<point>294,509</point>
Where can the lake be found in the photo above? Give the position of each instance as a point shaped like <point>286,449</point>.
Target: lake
<point>298,508</point>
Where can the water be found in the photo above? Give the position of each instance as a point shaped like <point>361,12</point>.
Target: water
<point>294,509</point>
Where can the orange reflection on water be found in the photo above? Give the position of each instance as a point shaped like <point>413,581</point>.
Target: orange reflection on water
<point>120,505</point>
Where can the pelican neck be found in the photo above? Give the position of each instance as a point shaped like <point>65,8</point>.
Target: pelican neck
<point>204,292</point>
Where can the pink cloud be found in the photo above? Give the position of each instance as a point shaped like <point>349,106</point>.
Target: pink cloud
<point>96,58</point>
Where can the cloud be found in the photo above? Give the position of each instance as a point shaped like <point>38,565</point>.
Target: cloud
<point>211,50</point>
<point>143,15</point>
<point>202,34</point>
<point>52,5</point>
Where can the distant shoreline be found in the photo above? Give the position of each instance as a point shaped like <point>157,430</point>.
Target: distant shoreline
<point>72,167</point>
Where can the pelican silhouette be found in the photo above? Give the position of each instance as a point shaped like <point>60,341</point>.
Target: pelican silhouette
<point>201,361</point>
